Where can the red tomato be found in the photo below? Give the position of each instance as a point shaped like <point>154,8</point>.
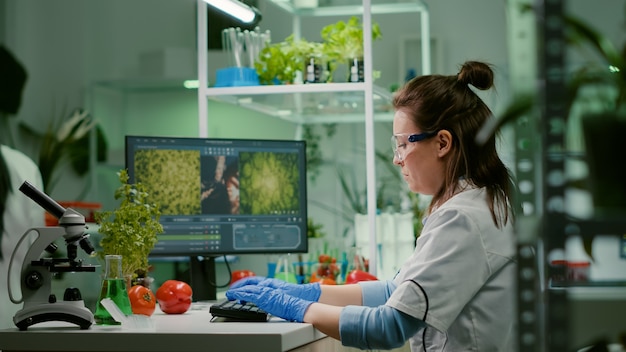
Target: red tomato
<point>324,258</point>
<point>329,270</point>
<point>240,274</point>
<point>174,297</point>
<point>359,275</point>
<point>142,300</point>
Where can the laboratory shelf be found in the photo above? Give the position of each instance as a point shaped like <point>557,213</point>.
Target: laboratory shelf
<point>343,10</point>
<point>308,103</point>
<point>318,103</point>
<point>146,85</point>
<point>287,89</point>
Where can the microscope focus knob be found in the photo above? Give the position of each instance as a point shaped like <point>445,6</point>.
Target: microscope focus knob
<point>72,294</point>
<point>34,280</point>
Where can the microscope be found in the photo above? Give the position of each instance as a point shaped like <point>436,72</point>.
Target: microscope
<point>40,305</point>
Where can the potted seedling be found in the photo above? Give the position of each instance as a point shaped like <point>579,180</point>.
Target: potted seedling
<point>315,61</point>
<point>279,63</point>
<point>130,230</point>
<point>343,43</point>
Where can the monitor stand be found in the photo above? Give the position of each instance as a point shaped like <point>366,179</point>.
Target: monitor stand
<point>202,278</point>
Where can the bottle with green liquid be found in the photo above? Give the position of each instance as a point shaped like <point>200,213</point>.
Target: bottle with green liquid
<point>113,287</point>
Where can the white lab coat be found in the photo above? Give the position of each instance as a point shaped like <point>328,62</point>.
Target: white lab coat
<point>21,213</point>
<point>461,279</point>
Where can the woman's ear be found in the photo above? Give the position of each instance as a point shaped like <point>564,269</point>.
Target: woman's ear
<point>444,143</point>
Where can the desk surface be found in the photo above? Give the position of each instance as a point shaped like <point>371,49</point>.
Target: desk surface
<point>192,331</point>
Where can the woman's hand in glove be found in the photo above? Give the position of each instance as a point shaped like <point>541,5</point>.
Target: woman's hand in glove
<point>274,301</point>
<point>309,292</point>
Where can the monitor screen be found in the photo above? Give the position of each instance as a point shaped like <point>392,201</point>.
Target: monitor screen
<point>223,196</point>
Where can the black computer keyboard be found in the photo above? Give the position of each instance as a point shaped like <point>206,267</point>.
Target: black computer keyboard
<point>237,311</point>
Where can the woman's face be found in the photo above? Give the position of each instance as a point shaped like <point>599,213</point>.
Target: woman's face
<point>421,166</point>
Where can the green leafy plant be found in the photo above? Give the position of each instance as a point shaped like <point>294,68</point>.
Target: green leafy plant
<point>130,230</point>
<point>65,145</point>
<point>596,91</point>
<point>606,70</point>
<point>313,229</point>
<point>280,62</point>
<point>389,188</point>
<point>344,41</point>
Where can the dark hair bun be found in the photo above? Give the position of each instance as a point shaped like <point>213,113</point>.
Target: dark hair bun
<point>478,74</point>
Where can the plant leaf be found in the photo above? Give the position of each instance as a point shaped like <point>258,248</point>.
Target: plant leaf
<point>582,33</point>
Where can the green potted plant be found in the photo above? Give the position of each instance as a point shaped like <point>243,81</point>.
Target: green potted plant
<point>279,63</point>
<point>315,62</point>
<point>390,186</point>
<point>130,230</point>
<point>598,96</point>
<point>595,106</point>
<point>343,42</point>
<point>595,98</point>
<point>314,229</point>
<point>65,145</point>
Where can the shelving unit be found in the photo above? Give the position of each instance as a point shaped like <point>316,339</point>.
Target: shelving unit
<point>294,108</point>
<point>307,104</point>
<point>545,313</point>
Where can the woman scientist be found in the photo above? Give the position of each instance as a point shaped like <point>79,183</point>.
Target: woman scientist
<point>457,291</point>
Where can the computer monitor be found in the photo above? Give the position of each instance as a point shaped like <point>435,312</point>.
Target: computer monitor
<point>222,196</point>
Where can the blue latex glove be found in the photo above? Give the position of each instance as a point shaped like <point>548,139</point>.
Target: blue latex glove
<point>249,280</point>
<point>273,301</point>
<point>309,292</point>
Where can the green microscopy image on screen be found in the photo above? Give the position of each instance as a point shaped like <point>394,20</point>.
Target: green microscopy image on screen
<point>172,178</point>
<point>269,183</point>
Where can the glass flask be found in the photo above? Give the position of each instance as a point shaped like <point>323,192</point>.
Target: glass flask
<point>284,270</point>
<point>113,287</point>
<point>356,260</point>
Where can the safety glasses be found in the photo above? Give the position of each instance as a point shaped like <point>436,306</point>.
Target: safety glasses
<point>399,142</point>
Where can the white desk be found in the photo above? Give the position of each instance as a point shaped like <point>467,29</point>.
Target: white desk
<point>189,332</point>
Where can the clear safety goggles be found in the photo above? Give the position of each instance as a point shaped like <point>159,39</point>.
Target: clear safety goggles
<point>400,142</point>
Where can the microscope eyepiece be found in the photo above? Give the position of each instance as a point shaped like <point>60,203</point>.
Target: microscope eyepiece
<point>42,199</point>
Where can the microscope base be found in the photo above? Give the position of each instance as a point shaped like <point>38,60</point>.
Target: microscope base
<point>71,312</point>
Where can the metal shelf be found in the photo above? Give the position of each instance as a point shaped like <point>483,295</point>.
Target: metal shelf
<point>343,10</point>
<point>308,103</point>
<point>145,85</point>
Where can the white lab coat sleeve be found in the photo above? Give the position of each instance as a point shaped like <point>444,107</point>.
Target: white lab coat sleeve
<point>449,265</point>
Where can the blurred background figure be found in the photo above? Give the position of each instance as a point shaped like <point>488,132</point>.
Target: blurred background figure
<point>18,213</point>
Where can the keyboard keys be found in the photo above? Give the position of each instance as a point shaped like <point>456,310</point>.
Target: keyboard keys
<point>237,311</point>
